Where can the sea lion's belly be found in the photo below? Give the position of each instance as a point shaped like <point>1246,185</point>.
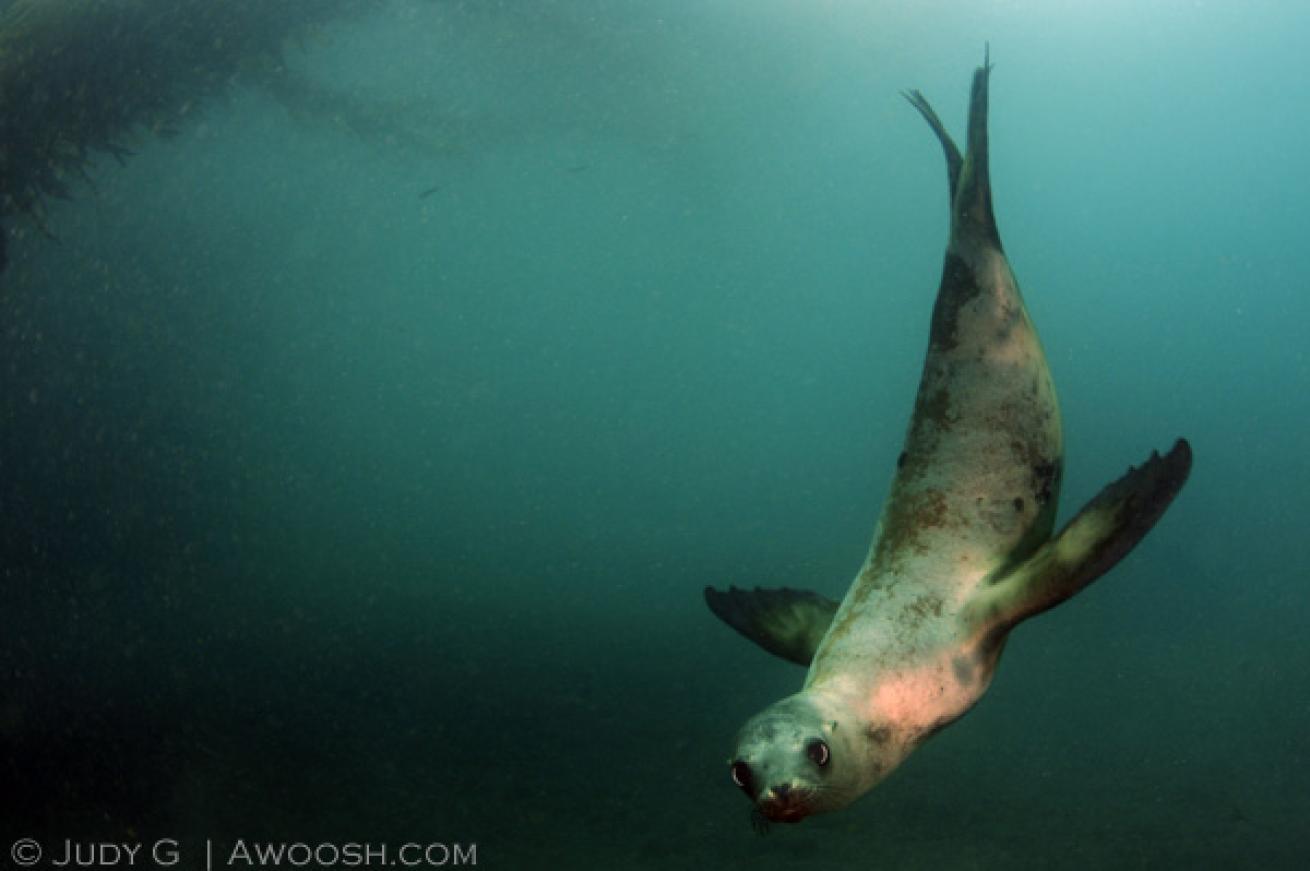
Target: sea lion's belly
<point>977,482</point>
<point>976,485</point>
<point>903,659</point>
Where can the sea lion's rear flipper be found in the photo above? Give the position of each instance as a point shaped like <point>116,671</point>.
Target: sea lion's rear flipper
<point>1100,535</point>
<point>787,623</point>
<point>968,174</point>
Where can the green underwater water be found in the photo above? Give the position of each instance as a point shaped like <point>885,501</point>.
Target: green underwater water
<point>363,456</point>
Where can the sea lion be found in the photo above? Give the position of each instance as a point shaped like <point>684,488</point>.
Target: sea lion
<point>963,550</point>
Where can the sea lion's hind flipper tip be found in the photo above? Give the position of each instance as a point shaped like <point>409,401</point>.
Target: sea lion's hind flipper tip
<point>787,623</point>
<point>915,98</point>
<point>954,160</point>
<point>973,198</point>
<point>1180,456</point>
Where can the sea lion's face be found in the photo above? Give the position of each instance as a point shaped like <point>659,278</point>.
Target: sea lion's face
<point>793,760</point>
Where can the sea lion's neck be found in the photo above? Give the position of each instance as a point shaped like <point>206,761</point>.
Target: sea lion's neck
<point>906,663</point>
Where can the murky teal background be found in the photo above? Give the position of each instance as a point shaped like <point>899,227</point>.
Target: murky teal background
<point>336,507</point>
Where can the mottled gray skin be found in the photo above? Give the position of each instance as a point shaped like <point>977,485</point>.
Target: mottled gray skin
<point>963,551</point>
<point>974,492</point>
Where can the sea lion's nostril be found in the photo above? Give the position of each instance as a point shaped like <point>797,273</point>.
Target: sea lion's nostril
<point>781,790</point>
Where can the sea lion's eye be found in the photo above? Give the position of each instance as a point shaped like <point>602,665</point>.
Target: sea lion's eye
<point>818,752</point>
<point>741,775</point>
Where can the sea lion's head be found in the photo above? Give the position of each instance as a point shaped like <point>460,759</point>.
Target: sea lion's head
<point>804,755</point>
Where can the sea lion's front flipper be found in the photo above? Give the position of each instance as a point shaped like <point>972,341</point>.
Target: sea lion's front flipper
<point>1100,535</point>
<point>787,623</point>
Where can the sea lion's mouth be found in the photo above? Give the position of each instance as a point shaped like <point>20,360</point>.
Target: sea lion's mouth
<point>774,814</point>
<point>791,809</point>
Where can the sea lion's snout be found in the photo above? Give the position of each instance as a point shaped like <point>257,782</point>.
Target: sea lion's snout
<point>782,803</point>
